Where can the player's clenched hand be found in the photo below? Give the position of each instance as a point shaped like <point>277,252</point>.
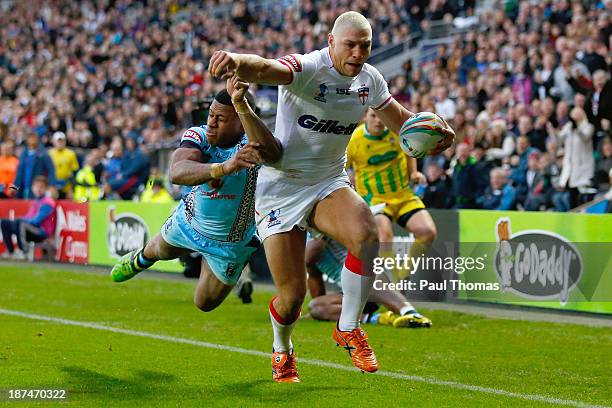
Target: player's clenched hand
<point>223,64</point>
<point>449,138</point>
<point>248,156</point>
<point>237,88</point>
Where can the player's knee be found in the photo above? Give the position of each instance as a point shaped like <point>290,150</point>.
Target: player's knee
<point>385,236</point>
<point>426,234</point>
<point>292,302</point>
<point>205,304</point>
<point>363,238</point>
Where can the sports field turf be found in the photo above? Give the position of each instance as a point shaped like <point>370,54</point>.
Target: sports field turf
<point>167,353</point>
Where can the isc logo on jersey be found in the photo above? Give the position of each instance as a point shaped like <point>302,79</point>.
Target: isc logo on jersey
<point>325,125</point>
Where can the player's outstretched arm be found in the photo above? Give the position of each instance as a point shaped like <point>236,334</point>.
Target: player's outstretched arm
<point>394,115</point>
<point>250,67</point>
<point>187,165</point>
<point>269,147</point>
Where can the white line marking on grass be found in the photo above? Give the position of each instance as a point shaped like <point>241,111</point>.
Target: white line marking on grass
<point>319,363</point>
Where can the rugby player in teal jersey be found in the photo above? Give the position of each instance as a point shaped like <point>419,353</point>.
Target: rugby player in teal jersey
<point>216,218</point>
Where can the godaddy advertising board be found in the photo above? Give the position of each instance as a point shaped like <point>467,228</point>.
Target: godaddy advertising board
<point>551,260</point>
<point>118,227</point>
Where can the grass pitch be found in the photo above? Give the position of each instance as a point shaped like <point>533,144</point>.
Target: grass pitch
<point>464,360</point>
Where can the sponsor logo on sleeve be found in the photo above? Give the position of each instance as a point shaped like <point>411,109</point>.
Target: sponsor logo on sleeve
<point>192,136</point>
<point>293,62</point>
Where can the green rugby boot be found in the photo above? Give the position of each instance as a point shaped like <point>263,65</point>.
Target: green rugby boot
<point>126,269</point>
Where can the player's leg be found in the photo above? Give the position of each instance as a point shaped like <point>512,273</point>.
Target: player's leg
<point>314,249</point>
<point>9,228</point>
<point>157,249</point>
<point>419,222</point>
<point>326,307</point>
<point>29,233</point>
<point>400,312</point>
<point>345,217</point>
<point>244,287</point>
<point>384,228</point>
<point>210,291</point>
<point>285,255</point>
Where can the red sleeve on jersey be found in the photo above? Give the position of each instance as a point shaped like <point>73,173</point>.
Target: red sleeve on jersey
<point>292,62</point>
<point>385,103</point>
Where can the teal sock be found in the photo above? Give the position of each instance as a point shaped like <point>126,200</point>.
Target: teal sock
<point>142,262</point>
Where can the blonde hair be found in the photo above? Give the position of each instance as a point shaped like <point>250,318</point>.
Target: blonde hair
<point>350,19</point>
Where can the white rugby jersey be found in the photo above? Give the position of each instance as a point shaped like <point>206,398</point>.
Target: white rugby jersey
<point>317,113</point>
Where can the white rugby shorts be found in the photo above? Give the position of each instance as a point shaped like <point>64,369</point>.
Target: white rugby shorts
<point>280,206</point>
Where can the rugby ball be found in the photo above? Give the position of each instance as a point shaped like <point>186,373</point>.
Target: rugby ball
<point>420,134</point>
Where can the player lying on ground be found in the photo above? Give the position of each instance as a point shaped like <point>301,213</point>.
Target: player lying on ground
<point>382,173</point>
<point>322,96</point>
<point>325,256</point>
<point>216,218</point>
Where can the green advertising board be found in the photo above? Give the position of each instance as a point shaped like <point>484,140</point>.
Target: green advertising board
<point>550,260</point>
<point>118,227</point>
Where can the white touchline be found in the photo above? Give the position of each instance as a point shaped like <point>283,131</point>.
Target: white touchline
<point>320,363</point>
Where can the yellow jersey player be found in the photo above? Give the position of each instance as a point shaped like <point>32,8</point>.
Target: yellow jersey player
<point>382,174</point>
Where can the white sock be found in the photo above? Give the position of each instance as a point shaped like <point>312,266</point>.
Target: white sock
<point>406,308</point>
<point>355,291</point>
<point>282,333</point>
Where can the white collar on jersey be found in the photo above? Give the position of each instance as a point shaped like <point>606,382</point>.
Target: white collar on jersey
<point>327,57</point>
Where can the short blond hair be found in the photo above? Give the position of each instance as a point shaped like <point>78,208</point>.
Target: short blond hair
<point>350,19</point>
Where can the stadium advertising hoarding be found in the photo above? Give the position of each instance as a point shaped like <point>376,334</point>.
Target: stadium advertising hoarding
<point>118,227</point>
<point>552,260</point>
<point>72,232</point>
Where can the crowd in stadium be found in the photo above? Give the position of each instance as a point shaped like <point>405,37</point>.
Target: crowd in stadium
<point>89,90</point>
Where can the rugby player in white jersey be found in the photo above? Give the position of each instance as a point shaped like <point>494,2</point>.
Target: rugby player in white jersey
<point>322,96</point>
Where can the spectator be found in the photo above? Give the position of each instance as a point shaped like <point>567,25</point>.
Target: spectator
<point>462,189</point>
<point>8,169</point>
<point>519,163</point>
<point>500,195</point>
<point>482,168</point>
<point>37,225</point>
<point>590,58</point>
<point>537,138</point>
<point>155,192</point>
<point>134,172</point>
<point>570,69</point>
<point>112,164</point>
<point>87,179</point>
<point>437,191</point>
<point>538,185</point>
<point>543,77</point>
<point>603,164</point>
<point>445,106</point>
<point>34,161</point>
<point>599,102</point>
<point>578,163</point>
<point>65,162</point>
<point>500,141</point>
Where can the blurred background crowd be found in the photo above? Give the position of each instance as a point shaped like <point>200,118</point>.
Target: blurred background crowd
<point>93,91</point>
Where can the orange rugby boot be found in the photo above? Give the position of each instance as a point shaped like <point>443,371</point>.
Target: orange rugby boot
<point>284,368</point>
<point>356,343</point>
